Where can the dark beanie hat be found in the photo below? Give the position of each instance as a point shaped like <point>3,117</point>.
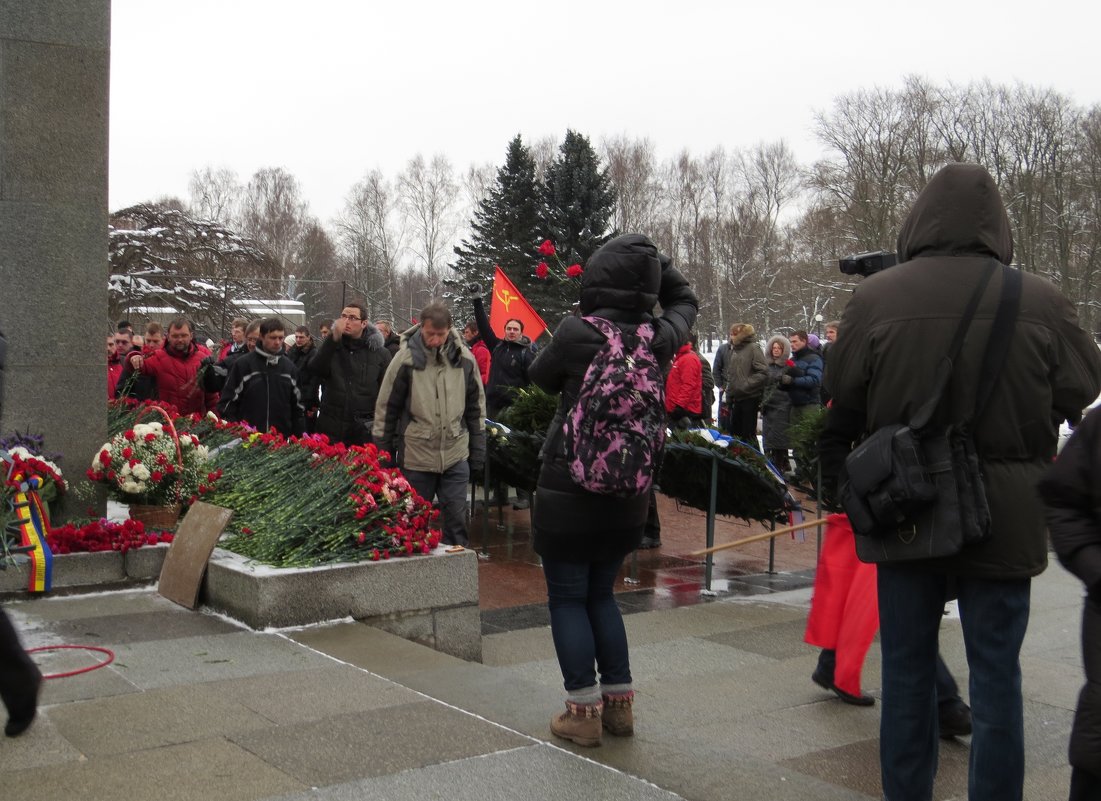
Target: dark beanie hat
<point>625,273</point>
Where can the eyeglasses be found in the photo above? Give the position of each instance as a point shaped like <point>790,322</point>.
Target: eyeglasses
<point>355,317</point>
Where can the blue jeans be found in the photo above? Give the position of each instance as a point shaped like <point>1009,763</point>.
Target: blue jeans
<point>450,487</point>
<point>994,615</point>
<point>586,623</point>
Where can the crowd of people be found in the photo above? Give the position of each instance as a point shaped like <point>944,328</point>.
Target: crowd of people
<point>423,395</point>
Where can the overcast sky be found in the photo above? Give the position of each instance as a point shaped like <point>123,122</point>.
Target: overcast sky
<point>333,88</point>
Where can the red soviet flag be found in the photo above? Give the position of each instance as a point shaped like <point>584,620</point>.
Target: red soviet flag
<point>509,304</point>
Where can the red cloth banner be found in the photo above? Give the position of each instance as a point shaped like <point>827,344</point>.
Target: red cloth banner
<point>844,612</point>
<point>509,304</point>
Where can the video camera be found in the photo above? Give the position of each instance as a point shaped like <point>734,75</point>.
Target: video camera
<point>866,264</point>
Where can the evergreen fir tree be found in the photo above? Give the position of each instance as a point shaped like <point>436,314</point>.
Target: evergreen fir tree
<point>505,231</point>
<point>578,200</point>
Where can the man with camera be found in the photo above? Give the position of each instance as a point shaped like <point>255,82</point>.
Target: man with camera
<point>898,326</point>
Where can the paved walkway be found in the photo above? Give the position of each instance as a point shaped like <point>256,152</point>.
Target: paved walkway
<point>196,707</point>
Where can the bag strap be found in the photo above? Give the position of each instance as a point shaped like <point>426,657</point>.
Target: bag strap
<point>944,369</point>
<point>997,347</point>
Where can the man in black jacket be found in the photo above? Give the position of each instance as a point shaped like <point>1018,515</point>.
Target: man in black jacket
<point>1072,496</point>
<point>261,388</point>
<point>302,354</point>
<point>20,678</point>
<point>350,364</point>
<point>898,326</point>
<point>509,360</point>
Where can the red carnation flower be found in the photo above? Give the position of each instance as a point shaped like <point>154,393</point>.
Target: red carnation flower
<point>547,248</point>
<point>542,270</point>
<point>573,270</point>
<point>130,435</point>
<point>127,452</point>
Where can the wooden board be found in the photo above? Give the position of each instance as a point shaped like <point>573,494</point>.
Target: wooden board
<point>185,562</point>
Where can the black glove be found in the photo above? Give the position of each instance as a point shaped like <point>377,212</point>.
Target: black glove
<point>794,372</point>
<point>474,291</point>
<point>785,380</point>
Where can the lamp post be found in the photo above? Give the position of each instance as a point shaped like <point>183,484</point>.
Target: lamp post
<point>818,325</point>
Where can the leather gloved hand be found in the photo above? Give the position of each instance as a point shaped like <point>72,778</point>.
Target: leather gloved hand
<point>474,291</point>
<point>785,380</point>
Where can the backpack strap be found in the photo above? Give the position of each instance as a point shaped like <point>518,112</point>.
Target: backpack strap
<point>645,332</point>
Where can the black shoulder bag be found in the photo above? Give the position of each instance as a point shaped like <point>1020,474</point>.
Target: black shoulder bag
<point>916,491</point>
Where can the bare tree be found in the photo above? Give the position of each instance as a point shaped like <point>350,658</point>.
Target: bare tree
<point>428,194</point>
<point>633,169</point>
<point>371,234</point>
<point>215,194</point>
<point>274,214</point>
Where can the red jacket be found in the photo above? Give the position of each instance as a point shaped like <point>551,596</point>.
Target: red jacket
<point>176,377</point>
<point>482,357</point>
<point>684,386</point>
<point>114,372</point>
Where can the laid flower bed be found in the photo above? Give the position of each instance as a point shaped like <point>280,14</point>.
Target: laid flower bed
<point>301,501</point>
<point>103,535</point>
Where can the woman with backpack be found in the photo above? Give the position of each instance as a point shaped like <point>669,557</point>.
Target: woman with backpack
<point>581,534</point>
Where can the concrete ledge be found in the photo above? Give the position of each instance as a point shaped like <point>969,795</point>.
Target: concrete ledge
<point>430,599</point>
<point>90,572</point>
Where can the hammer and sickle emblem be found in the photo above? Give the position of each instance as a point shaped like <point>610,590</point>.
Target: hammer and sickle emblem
<point>506,297</point>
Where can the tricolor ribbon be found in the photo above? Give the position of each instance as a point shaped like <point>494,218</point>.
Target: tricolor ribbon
<point>32,522</point>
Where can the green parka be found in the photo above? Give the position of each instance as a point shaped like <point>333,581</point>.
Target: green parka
<point>430,413</point>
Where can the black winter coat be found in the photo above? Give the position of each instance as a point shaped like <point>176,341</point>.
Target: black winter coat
<point>261,390</point>
<point>622,282</point>
<point>898,325</point>
<point>508,364</point>
<point>350,371</point>
<point>1071,490</point>
<point>308,382</point>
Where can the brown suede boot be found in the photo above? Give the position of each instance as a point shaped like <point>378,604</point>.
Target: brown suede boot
<point>579,723</point>
<point>618,717</point>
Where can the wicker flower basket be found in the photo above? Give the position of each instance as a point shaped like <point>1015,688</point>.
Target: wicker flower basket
<point>156,518</point>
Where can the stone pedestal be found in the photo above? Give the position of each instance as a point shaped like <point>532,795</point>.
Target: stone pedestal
<point>430,599</point>
<point>54,59</point>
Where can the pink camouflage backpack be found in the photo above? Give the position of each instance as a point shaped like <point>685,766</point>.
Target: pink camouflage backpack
<point>616,429</point>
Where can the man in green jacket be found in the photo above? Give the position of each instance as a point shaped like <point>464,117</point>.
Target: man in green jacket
<point>430,416</point>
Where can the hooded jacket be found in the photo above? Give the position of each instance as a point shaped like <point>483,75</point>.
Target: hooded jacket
<point>898,326</point>
<point>684,386</point>
<point>776,406</point>
<point>351,372</point>
<point>622,282</point>
<point>431,408</point>
<point>745,370</point>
